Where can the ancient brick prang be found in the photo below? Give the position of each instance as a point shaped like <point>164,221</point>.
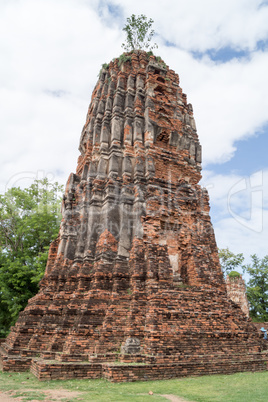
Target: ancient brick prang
<point>236,290</point>
<point>134,275</point>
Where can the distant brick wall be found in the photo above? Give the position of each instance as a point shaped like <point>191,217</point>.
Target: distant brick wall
<point>236,291</point>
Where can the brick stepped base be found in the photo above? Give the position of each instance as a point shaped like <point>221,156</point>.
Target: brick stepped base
<point>118,372</point>
<point>45,369</point>
<point>183,328</point>
<point>15,363</point>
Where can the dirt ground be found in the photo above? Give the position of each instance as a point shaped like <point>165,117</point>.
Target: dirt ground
<point>62,394</point>
<point>51,395</point>
<point>174,398</point>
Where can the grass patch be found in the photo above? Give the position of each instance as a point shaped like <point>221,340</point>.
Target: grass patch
<point>246,387</point>
<point>30,395</point>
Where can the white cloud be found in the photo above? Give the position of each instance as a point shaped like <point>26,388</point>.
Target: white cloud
<point>200,25</point>
<point>240,239</point>
<point>230,100</point>
<point>51,53</point>
<point>239,209</point>
<point>48,48</point>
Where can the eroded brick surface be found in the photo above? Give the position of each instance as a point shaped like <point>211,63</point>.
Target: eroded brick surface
<point>134,276</point>
<point>236,290</point>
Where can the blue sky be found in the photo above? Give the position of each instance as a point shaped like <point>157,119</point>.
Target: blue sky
<point>223,54</point>
<point>250,155</point>
<point>51,54</point>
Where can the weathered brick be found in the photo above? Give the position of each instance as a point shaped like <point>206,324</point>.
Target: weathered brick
<point>134,276</point>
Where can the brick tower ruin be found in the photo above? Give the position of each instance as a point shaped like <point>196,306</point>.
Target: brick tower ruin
<point>134,275</point>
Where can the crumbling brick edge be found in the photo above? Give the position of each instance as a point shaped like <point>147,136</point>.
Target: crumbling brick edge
<point>46,370</point>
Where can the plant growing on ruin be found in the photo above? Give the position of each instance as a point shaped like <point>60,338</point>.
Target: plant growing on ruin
<point>234,274</point>
<point>139,33</point>
<point>103,67</point>
<point>123,58</point>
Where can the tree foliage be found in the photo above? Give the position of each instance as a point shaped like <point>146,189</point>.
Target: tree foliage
<point>139,33</point>
<point>257,288</point>
<point>257,282</point>
<point>230,261</point>
<point>30,220</point>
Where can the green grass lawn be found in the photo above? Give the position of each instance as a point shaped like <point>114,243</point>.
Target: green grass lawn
<point>240,387</point>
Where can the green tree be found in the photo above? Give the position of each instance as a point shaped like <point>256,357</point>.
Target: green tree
<point>257,288</point>
<point>29,220</point>
<point>139,33</point>
<point>230,261</point>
